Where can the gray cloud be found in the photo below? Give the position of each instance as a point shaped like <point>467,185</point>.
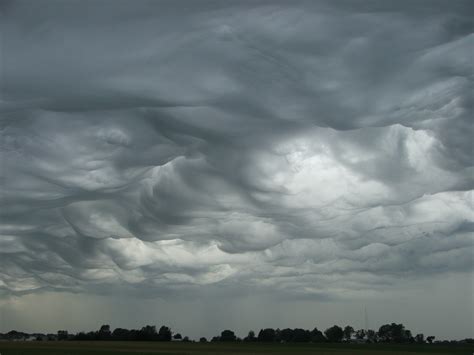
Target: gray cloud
<point>316,150</point>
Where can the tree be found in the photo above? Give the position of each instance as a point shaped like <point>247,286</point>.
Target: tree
<point>121,334</point>
<point>228,335</point>
<point>286,335</point>
<point>105,328</point>
<point>250,336</point>
<point>384,333</point>
<point>104,332</point>
<point>430,339</point>
<point>371,335</point>
<point>360,334</point>
<point>317,336</point>
<point>395,333</point>
<point>398,333</point>
<point>348,331</point>
<point>420,338</point>
<point>164,334</point>
<point>148,332</point>
<point>202,340</point>
<point>267,335</point>
<point>177,336</point>
<point>301,335</point>
<point>334,334</point>
<point>62,334</point>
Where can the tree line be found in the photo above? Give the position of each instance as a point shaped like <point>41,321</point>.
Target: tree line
<point>387,333</point>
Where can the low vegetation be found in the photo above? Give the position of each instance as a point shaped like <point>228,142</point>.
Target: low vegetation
<point>215,348</point>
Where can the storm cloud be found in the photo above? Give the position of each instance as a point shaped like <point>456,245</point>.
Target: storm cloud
<point>311,150</point>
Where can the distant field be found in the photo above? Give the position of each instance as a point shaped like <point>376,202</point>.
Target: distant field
<point>135,348</point>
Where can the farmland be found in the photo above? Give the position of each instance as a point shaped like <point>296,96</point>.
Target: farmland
<point>134,348</point>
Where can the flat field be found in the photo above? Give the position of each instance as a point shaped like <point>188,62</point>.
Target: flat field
<point>135,348</point>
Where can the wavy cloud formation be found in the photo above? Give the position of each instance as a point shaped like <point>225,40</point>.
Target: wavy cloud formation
<point>314,149</point>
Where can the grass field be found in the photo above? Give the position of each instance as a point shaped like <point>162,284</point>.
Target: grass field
<point>135,348</point>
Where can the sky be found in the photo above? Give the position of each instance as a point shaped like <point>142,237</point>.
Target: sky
<point>215,165</point>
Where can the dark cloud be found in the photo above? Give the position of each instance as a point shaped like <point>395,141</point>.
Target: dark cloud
<point>309,148</point>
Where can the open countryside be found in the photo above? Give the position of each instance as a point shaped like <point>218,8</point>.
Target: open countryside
<point>389,339</point>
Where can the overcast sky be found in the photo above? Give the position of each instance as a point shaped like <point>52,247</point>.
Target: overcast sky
<point>236,164</point>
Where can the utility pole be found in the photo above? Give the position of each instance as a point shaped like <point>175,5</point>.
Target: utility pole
<point>366,319</point>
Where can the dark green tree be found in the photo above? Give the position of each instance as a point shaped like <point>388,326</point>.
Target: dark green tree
<point>228,335</point>
<point>348,331</point>
<point>420,338</point>
<point>286,335</point>
<point>148,332</point>
<point>267,335</point>
<point>371,335</point>
<point>250,336</point>
<point>63,335</point>
<point>104,332</point>
<point>164,334</point>
<point>395,333</point>
<point>360,334</point>
<point>334,334</point>
<point>317,336</point>
<point>121,334</point>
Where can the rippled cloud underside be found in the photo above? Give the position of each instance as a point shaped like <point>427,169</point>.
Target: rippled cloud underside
<point>311,150</point>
